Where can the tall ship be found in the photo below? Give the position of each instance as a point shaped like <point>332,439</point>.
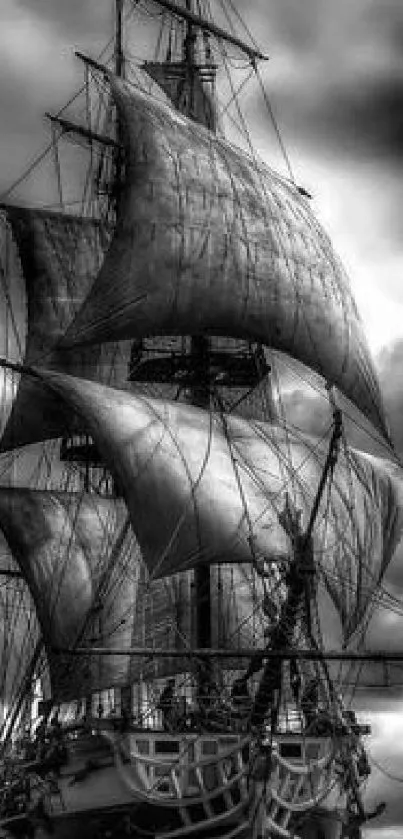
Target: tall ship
<point>187,576</point>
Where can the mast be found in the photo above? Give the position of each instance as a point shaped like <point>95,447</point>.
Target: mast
<point>202,574</point>
<point>119,71</point>
<point>200,352</point>
<point>299,580</point>
<point>200,395</point>
<point>186,13</point>
<point>191,368</point>
<point>119,56</point>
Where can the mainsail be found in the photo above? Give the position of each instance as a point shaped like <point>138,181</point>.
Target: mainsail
<point>90,587</point>
<point>210,242</point>
<point>60,255</point>
<point>205,487</point>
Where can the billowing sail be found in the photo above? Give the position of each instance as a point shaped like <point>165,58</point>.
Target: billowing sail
<point>82,575</point>
<point>19,633</point>
<point>13,318</point>
<point>60,256</point>
<point>210,242</point>
<point>204,487</point>
<point>90,587</point>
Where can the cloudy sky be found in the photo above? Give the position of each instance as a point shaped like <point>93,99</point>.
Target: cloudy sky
<point>335,80</point>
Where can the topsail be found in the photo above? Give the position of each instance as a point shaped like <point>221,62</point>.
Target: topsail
<point>210,242</point>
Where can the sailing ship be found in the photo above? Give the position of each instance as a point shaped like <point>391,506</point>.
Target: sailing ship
<point>181,556</point>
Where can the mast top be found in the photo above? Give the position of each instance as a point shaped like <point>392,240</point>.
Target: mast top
<point>119,55</point>
<point>208,26</point>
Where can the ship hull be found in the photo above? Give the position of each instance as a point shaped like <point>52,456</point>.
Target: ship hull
<point>188,785</point>
<point>131,821</point>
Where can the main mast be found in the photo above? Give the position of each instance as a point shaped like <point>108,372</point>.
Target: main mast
<point>190,84</point>
<point>199,390</point>
<point>120,72</point>
<point>186,83</point>
<point>199,394</point>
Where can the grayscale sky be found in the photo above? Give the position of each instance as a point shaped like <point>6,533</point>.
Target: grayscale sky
<point>335,81</point>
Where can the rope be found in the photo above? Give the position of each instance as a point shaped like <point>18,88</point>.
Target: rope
<point>275,124</point>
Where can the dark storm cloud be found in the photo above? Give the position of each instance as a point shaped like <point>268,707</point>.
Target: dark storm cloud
<point>361,120</point>
<point>74,18</point>
<point>343,84</point>
<point>316,25</point>
<point>342,87</point>
<point>39,73</point>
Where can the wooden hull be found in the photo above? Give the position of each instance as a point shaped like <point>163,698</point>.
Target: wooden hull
<point>184,786</point>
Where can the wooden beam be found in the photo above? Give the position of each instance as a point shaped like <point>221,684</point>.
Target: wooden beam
<point>74,128</point>
<point>211,27</point>
<point>102,68</point>
<point>288,654</point>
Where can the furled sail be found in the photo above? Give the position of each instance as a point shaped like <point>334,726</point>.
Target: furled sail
<point>60,255</point>
<point>204,487</point>
<point>74,560</point>
<point>209,241</point>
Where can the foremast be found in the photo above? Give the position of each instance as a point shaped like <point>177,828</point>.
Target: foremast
<point>200,393</point>
<point>299,584</point>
